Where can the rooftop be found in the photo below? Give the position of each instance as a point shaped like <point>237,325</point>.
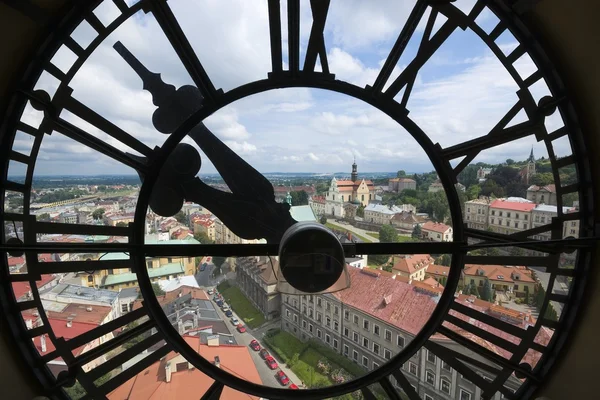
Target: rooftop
<point>82,313</point>
<point>383,209</point>
<point>550,209</point>
<point>512,205</point>
<point>163,270</point>
<point>77,292</point>
<point>435,227</point>
<point>302,213</point>
<point>169,285</point>
<point>548,188</point>
<point>438,270</point>
<point>21,289</point>
<point>412,263</point>
<point>498,273</point>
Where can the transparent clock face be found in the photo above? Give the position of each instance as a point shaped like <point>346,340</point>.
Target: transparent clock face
<point>166,149</point>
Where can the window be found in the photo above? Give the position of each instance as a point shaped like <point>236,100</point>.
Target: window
<point>516,287</point>
<point>319,301</point>
<point>149,264</point>
<point>493,221</point>
<point>431,357</point>
<point>376,348</point>
<point>355,355</point>
<point>310,312</point>
<point>445,386</point>
<point>543,219</point>
<point>310,328</point>
<point>304,310</point>
<point>376,329</point>
<point>365,324</point>
<point>304,324</point>
<point>400,341</point>
<point>375,365</point>
<point>327,321</point>
<point>356,319</point>
<point>362,197</point>
<point>412,368</point>
<point>335,343</point>
<point>365,361</point>
<point>295,303</point>
<point>287,313</point>
<point>430,377</point>
<point>336,310</point>
<point>493,212</point>
<point>526,217</point>
<point>500,214</point>
<point>327,306</point>
<point>388,335</point>
<point>319,333</point>
<point>516,216</point>
<point>507,223</point>
<point>464,395</point>
<point>387,354</point>
<point>446,366</point>
<point>124,308</point>
<point>346,349</point>
<point>508,215</point>
<point>428,397</point>
<point>524,226</point>
<point>346,315</point>
<point>336,325</point>
<point>90,278</point>
<point>296,318</point>
<point>346,333</point>
<point>318,317</point>
<point>327,339</point>
<point>355,336</point>
<point>366,343</point>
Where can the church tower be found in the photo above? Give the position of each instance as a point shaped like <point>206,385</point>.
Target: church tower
<point>354,175</point>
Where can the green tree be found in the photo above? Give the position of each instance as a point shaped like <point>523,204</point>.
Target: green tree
<point>134,340</point>
<point>181,217</point>
<point>439,206</point>
<point>360,211</point>
<point>218,262</point>
<point>486,292</point>
<point>387,267</point>
<point>299,198</point>
<point>468,176</point>
<point>417,232</point>
<point>473,192</point>
<point>77,391</point>
<point>157,290</point>
<point>98,213</point>
<point>443,281</point>
<point>43,217</point>
<point>401,174</point>
<point>203,238</point>
<point>387,234</point>
<point>542,179</point>
<point>323,219</point>
<point>510,161</point>
<point>121,223</point>
<point>444,259</point>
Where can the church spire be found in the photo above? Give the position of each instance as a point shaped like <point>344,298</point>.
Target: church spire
<point>354,171</point>
<point>531,157</point>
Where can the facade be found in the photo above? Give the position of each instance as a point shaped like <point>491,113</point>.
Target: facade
<point>412,266</point>
<point>69,218</point>
<point>406,220</point>
<point>257,278</point>
<point>66,294</point>
<point>381,214</point>
<point>510,216</point>
<point>542,194</point>
<point>436,232</point>
<point>542,215</point>
<point>516,280</point>
<point>435,187</point>
<point>281,192</point>
<point>348,191</point>
<point>204,223</point>
<point>398,185</point>
<point>317,203</point>
<point>223,235</point>
<point>528,171</point>
<point>370,330</point>
<point>437,272</point>
<point>482,174</point>
<point>476,213</point>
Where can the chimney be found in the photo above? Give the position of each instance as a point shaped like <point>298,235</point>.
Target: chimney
<point>168,372</point>
<point>29,323</point>
<point>43,342</point>
<point>69,324</point>
<point>217,362</point>
<point>88,309</point>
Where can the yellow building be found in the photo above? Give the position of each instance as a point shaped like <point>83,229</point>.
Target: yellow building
<point>515,280</point>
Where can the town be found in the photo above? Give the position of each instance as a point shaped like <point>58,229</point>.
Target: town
<point>230,311</point>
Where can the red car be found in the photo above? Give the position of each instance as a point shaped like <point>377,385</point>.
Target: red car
<point>282,378</point>
<point>241,328</point>
<point>254,345</point>
<point>271,362</point>
<point>293,386</point>
<point>264,354</point>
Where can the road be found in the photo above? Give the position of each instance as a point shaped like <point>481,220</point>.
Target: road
<point>354,229</point>
<point>561,285</point>
<point>204,277</point>
<point>266,374</point>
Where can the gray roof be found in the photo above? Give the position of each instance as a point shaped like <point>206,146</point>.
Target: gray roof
<point>128,293</point>
<point>383,209</point>
<point>549,208</point>
<point>84,293</point>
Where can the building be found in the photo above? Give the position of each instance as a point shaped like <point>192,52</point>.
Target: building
<point>223,235</point>
<point>348,191</point>
<point>542,194</point>
<point>303,214</point>
<point>502,278</point>
<point>398,185</point>
<point>437,272</point>
<point>129,279</point>
<point>65,294</point>
<point>173,377</point>
<point>126,298</point>
<point>541,215</point>
<point>506,216</point>
<point>528,171</point>
<point>435,187</point>
<point>436,232</point>
<point>412,266</point>
<point>281,192</point>
<point>407,220</point>
<point>317,203</point>
<point>114,219</point>
<point>69,218</point>
<point>257,278</point>
<point>381,214</point>
<point>476,213</point>
<point>204,223</point>
<point>482,174</point>
<point>372,329</point>
<point>22,290</point>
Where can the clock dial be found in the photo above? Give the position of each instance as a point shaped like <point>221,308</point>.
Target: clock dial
<point>154,249</point>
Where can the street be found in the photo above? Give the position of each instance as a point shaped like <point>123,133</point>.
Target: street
<point>204,277</point>
<point>560,285</point>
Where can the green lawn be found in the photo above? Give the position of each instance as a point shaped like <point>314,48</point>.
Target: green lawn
<point>405,239</point>
<point>341,228</point>
<point>288,344</point>
<point>242,306</point>
<point>374,234</point>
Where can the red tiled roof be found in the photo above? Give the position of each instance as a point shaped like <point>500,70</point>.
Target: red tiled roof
<point>405,308</point>
<point>549,188</point>
<point>14,261</point>
<point>60,329</point>
<point>512,205</point>
<point>422,286</point>
<point>412,263</point>
<point>318,199</point>
<point>435,227</point>
<point>493,271</point>
<point>79,313</point>
<point>21,288</point>
<point>438,270</point>
<point>151,384</point>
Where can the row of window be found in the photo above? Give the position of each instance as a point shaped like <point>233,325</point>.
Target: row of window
<point>366,324</point>
<point>508,215</point>
<point>516,223</point>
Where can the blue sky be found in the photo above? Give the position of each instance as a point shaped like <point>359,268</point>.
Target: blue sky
<point>460,93</point>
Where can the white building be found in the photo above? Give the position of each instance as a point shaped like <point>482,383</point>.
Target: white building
<point>380,214</point>
<point>436,232</point>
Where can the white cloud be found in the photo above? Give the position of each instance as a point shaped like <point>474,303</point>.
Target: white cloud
<point>225,125</point>
<point>242,148</point>
<point>313,157</point>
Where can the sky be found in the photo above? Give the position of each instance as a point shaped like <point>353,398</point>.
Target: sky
<point>459,94</point>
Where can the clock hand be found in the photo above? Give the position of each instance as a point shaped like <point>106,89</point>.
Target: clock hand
<point>174,106</point>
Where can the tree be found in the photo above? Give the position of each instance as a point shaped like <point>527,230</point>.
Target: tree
<point>157,290</point>
<point>510,161</point>
<point>444,259</point>
<point>43,217</point>
<point>473,290</point>
<point>77,391</point>
<point>98,213</point>
<point>299,198</point>
<point>387,267</point>
<point>417,232</point>
<point>360,211</point>
<point>387,234</point>
<point>542,179</point>
<point>486,291</point>
<point>218,262</point>
<point>121,223</point>
<point>203,238</point>
<point>468,176</point>
<point>439,206</point>
<point>181,217</point>
<point>443,281</point>
<point>473,191</point>
<point>323,219</point>
<point>401,174</point>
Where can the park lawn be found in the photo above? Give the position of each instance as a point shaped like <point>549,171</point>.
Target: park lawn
<point>242,307</point>
<point>374,234</point>
<point>306,369</point>
<point>288,344</point>
<point>342,228</point>
<point>405,239</point>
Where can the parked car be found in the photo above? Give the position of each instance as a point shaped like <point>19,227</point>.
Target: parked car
<point>234,321</point>
<point>271,362</point>
<point>264,353</point>
<point>293,386</point>
<point>219,302</point>
<point>210,292</point>
<point>229,313</point>
<point>241,328</point>
<point>282,378</point>
<point>254,345</point>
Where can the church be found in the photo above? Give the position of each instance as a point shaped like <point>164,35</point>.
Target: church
<point>345,194</point>
<point>528,171</point>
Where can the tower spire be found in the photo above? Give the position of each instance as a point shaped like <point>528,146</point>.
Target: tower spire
<point>531,157</point>
<point>354,175</point>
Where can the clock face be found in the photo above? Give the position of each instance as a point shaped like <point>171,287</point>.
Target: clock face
<point>162,158</point>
